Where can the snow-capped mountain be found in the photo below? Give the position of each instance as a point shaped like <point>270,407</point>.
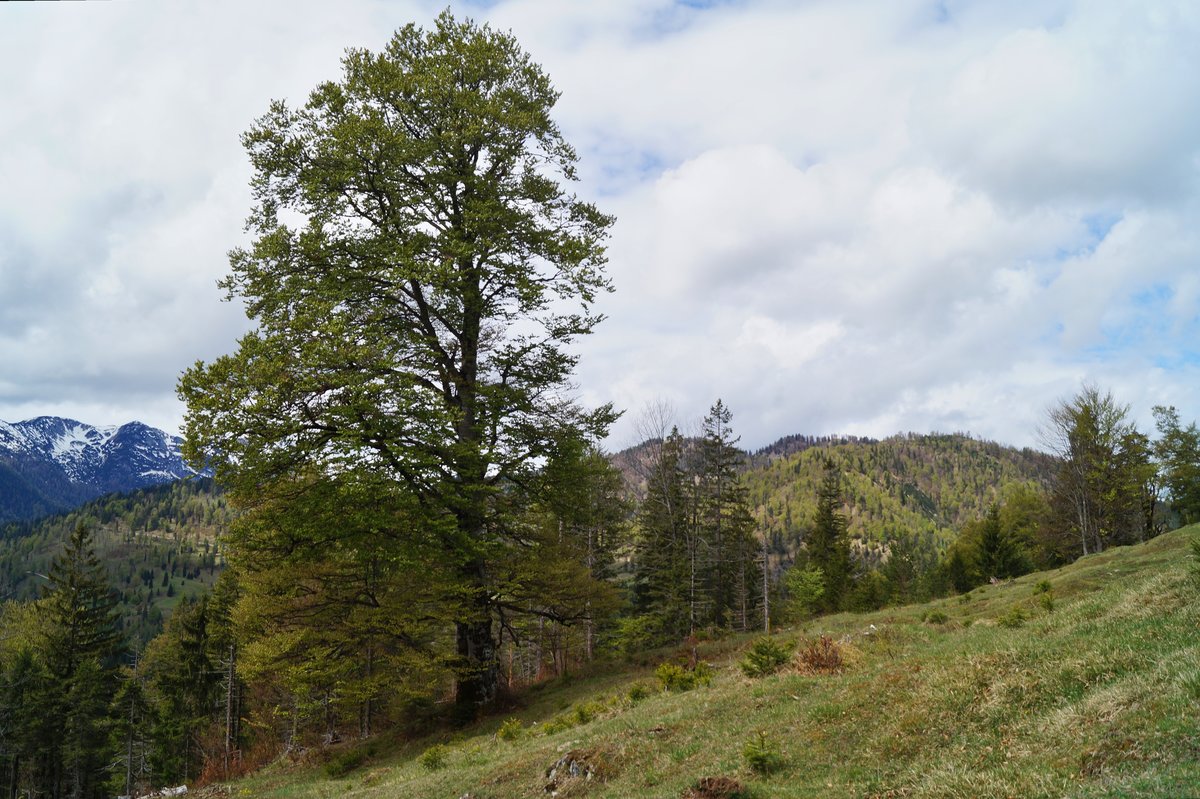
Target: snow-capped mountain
<point>50,464</point>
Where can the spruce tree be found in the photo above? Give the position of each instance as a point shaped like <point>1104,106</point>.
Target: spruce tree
<point>182,681</point>
<point>83,648</point>
<point>827,545</point>
<point>731,573</point>
<point>664,553</point>
<point>81,609</point>
<point>997,554</point>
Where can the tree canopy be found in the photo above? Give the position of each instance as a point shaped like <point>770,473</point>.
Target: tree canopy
<point>417,276</point>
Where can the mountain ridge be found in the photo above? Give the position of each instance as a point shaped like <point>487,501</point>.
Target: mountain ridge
<point>50,464</point>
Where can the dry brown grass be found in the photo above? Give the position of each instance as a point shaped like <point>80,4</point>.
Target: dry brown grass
<point>821,655</point>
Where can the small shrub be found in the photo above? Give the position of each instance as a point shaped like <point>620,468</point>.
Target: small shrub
<point>765,657</point>
<point>822,656</point>
<point>636,633</point>
<point>704,673</point>
<point>1046,601</point>
<point>434,758</point>
<point>637,692</point>
<point>1043,587</point>
<point>762,755</point>
<point>1013,618</point>
<point>806,587</point>
<point>510,730</point>
<point>345,762</point>
<point>558,724</point>
<point>675,677</point>
<point>937,617</point>
<point>587,711</point>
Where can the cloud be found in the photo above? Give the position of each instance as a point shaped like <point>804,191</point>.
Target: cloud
<point>862,217</point>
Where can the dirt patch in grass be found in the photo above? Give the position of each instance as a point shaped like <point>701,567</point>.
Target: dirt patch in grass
<point>715,788</point>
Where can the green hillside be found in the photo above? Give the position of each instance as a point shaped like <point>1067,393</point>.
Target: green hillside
<point>158,546</point>
<point>924,484</point>
<point>1081,682</point>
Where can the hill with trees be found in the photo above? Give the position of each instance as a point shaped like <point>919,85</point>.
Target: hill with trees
<point>923,484</point>
<point>927,485</point>
<point>156,546</point>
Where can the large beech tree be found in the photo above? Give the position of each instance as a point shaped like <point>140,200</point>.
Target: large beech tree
<point>417,274</point>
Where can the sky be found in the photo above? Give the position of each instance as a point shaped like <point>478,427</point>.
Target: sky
<point>838,217</point>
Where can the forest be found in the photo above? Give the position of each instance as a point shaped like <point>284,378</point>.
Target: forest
<point>416,521</point>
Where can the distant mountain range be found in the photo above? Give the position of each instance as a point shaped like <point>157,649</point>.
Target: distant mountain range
<point>50,464</point>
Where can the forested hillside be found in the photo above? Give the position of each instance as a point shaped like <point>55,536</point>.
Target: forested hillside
<point>923,485</point>
<point>158,545</point>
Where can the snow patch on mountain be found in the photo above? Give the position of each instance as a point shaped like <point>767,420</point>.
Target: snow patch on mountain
<point>65,459</point>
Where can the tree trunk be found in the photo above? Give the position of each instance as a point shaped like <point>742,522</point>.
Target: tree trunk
<point>129,747</point>
<point>365,720</point>
<point>229,677</point>
<point>589,624</point>
<point>479,680</point>
<point>766,587</point>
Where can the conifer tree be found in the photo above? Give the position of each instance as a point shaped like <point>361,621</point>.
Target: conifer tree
<point>86,726</point>
<point>588,516</point>
<point>726,525</point>
<point>81,609</point>
<point>664,582</point>
<point>997,554</point>
<point>827,546</point>
<point>131,740</point>
<point>83,647</point>
<point>28,729</point>
<point>1178,454</point>
<point>341,607</point>
<point>1106,485</point>
<point>182,682</point>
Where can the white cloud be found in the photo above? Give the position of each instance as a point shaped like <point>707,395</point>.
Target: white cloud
<point>837,216</point>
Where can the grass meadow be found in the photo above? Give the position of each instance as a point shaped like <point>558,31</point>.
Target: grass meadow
<point>1082,682</point>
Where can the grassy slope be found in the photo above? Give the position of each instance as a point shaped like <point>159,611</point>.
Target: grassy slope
<point>1099,697</point>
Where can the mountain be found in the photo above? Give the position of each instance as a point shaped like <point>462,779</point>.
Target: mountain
<point>50,464</point>
<point>927,485</point>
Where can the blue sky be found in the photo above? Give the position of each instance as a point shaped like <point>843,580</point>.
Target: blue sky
<point>858,217</point>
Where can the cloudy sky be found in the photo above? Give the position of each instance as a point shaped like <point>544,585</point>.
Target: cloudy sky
<point>857,217</point>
